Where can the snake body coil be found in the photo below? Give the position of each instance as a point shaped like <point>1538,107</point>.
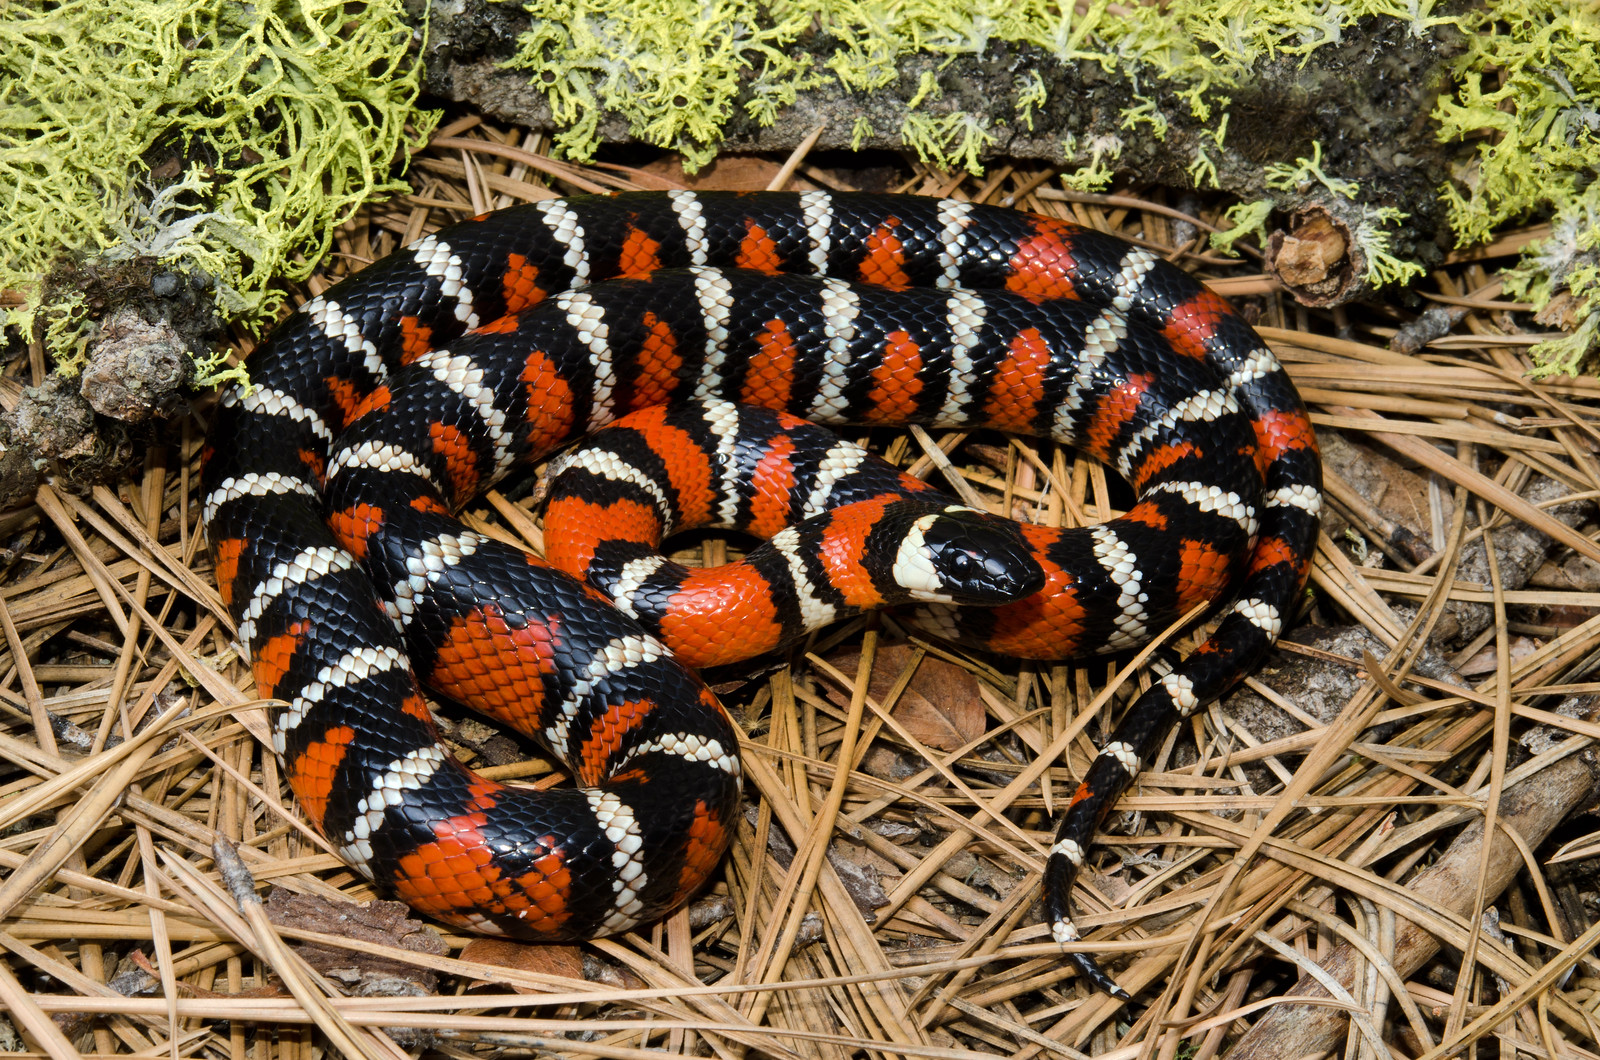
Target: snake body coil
<point>394,397</point>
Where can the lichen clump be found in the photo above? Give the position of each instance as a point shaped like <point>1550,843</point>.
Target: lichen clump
<point>674,70</point>
<point>269,124</point>
<point>671,69</point>
<point>1529,94</point>
<point>229,139</point>
<point>1529,88</point>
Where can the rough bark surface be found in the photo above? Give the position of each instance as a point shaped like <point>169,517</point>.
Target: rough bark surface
<point>86,430</point>
<point>1365,99</point>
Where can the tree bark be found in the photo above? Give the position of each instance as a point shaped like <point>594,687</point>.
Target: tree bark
<point>1365,99</point>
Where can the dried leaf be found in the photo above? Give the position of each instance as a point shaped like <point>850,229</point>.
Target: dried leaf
<point>563,961</point>
<point>941,707</point>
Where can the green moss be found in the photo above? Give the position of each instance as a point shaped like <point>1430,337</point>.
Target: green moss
<point>289,115</point>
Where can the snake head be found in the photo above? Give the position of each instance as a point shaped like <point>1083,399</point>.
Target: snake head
<point>953,554</point>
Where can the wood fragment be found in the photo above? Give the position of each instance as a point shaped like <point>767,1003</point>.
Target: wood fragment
<point>1532,809</point>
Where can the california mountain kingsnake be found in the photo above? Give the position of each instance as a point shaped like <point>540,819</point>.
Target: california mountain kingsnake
<point>403,391</point>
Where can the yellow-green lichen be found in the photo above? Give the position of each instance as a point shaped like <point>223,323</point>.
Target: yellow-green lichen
<point>1244,219</point>
<point>1030,92</point>
<point>277,119</point>
<point>1529,92</point>
<point>1529,95</point>
<point>676,79</point>
<point>1304,173</point>
<point>1374,237</point>
<point>673,70</point>
<point>1567,263</point>
<point>948,140</point>
<point>1145,112</point>
<point>1203,171</point>
<point>927,88</point>
<point>859,132</point>
<point>1096,174</point>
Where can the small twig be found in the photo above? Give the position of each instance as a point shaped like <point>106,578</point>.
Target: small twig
<point>780,179</point>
